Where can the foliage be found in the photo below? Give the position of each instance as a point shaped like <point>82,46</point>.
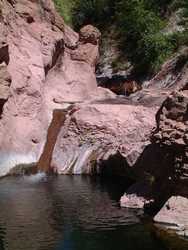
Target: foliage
<point>140,25</point>
<point>97,12</point>
<point>142,40</point>
<point>65,9</point>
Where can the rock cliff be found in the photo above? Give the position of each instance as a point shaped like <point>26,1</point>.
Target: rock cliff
<point>49,68</point>
<point>44,66</point>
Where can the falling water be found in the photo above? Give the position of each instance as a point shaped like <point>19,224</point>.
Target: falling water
<point>40,176</point>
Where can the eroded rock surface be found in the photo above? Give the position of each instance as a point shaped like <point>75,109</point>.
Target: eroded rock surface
<point>94,132</point>
<point>172,131</point>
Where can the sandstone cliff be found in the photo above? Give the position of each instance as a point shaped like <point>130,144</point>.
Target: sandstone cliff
<point>49,67</point>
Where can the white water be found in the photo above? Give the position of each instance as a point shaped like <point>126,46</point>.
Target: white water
<point>12,159</point>
<point>41,176</point>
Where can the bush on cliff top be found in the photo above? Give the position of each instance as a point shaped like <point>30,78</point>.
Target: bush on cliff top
<point>143,41</point>
<point>65,9</point>
<point>140,25</point>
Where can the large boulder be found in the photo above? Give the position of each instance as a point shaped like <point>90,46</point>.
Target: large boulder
<point>99,135</point>
<point>174,215</point>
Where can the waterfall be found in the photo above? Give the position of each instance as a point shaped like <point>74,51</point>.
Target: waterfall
<point>59,117</point>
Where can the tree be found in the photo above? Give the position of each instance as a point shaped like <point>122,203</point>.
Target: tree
<point>142,40</point>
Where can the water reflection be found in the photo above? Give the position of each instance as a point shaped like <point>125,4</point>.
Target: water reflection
<point>68,213</point>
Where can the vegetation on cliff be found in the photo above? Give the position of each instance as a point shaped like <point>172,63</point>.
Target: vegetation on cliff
<point>141,25</point>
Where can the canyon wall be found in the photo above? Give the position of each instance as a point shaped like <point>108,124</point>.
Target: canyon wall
<point>44,66</point>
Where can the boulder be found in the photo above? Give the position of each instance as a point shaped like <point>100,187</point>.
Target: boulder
<point>89,34</point>
<point>137,196</point>
<point>174,215</point>
<point>95,133</point>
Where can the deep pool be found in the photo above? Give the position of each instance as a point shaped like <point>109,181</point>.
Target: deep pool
<point>69,213</point>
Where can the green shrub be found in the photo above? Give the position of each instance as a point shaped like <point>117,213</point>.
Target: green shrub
<point>155,49</point>
<point>139,25</point>
<point>142,40</point>
<point>65,9</point>
<point>96,12</point>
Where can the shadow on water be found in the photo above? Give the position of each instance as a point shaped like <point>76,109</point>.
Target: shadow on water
<point>2,236</point>
<point>69,213</point>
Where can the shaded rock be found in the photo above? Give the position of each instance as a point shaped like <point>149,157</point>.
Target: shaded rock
<point>165,160</point>
<point>174,215</point>
<point>4,55</point>
<point>172,120</point>
<point>119,84</point>
<point>171,132</point>
<point>5,81</point>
